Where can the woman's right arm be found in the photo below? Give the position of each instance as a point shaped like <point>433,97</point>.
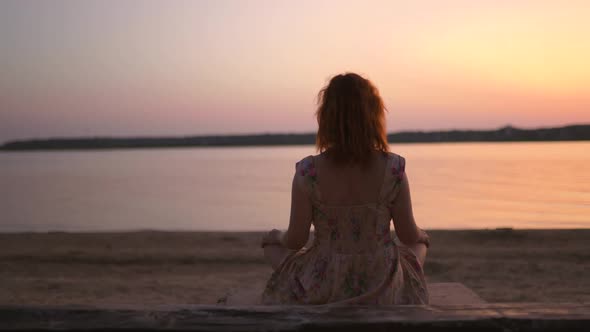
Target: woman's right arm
<point>403,216</point>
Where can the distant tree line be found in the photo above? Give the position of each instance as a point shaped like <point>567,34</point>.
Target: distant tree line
<point>567,133</point>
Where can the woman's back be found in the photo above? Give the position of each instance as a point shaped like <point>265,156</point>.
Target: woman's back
<point>350,184</point>
<point>350,202</point>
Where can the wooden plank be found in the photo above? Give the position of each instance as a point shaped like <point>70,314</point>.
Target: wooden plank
<point>452,293</point>
<point>484,317</point>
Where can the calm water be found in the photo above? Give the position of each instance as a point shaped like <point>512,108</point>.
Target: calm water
<point>455,185</point>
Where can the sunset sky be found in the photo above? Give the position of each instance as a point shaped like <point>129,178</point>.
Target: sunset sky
<point>135,68</point>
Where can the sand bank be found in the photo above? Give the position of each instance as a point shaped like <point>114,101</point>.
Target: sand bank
<point>199,267</point>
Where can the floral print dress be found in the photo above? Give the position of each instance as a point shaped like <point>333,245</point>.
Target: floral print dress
<point>353,258</point>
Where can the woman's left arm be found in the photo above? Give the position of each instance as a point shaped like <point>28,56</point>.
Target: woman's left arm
<point>300,220</point>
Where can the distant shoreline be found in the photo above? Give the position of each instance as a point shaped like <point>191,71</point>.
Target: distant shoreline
<point>504,134</point>
<point>497,230</point>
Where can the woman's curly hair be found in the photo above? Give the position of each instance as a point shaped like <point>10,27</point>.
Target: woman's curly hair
<point>351,119</point>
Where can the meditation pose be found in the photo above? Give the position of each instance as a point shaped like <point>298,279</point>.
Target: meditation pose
<point>350,192</point>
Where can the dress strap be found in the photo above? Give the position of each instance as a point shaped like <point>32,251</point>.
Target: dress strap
<point>307,177</point>
<point>394,174</point>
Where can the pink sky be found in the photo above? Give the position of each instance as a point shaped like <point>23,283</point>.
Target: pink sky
<point>134,68</point>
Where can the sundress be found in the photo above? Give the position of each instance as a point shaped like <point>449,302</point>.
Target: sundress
<point>353,258</point>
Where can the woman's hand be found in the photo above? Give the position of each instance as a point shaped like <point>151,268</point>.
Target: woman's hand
<point>424,238</point>
<point>272,237</point>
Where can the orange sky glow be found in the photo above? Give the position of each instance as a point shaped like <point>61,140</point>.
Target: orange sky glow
<point>135,68</point>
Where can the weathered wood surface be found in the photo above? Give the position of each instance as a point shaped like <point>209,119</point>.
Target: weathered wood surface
<point>453,306</point>
<point>452,293</point>
<point>482,317</point>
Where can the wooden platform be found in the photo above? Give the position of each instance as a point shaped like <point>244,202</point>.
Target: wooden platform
<point>452,293</point>
<point>453,306</point>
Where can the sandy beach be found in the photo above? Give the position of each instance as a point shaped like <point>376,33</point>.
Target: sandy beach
<point>151,267</point>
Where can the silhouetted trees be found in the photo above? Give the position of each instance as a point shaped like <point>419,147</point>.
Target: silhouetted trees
<point>567,133</point>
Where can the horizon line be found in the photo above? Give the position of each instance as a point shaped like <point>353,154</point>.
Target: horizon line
<point>272,133</point>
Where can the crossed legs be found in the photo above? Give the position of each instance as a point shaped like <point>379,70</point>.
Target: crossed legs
<point>275,254</point>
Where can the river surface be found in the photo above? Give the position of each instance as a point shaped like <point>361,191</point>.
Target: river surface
<point>453,185</point>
